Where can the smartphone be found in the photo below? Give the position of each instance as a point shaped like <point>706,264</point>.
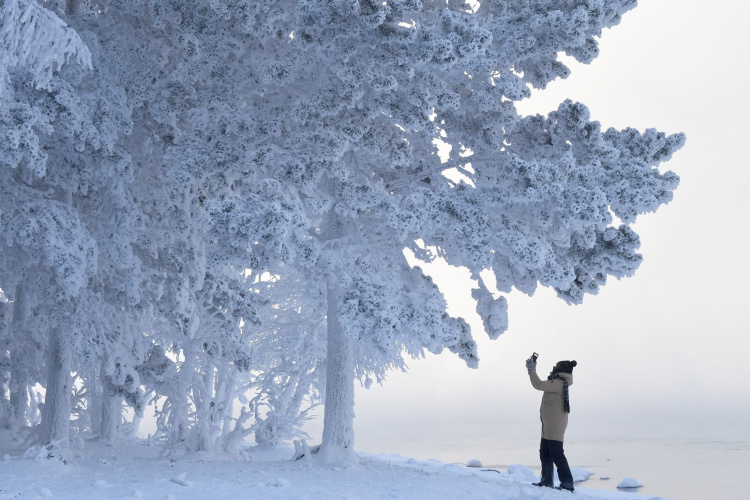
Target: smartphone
<point>534,356</point>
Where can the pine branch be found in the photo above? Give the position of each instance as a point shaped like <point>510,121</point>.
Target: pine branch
<point>34,37</point>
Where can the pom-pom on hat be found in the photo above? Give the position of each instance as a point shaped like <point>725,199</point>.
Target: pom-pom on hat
<point>565,366</point>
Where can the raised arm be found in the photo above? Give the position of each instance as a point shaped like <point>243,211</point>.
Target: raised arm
<point>544,385</point>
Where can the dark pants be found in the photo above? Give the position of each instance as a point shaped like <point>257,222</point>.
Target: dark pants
<point>551,452</point>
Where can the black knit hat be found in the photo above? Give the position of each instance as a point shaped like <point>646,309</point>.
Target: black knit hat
<point>565,366</point>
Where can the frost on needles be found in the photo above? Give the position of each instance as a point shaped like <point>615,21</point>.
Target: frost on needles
<point>205,205</point>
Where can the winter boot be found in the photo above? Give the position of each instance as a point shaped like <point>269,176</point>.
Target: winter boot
<point>565,486</point>
<point>545,483</point>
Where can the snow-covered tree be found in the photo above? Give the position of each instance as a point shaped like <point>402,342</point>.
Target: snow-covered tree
<point>67,217</point>
<point>307,139</point>
<point>343,104</point>
<point>48,252</point>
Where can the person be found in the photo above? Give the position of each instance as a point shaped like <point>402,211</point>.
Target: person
<point>554,415</point>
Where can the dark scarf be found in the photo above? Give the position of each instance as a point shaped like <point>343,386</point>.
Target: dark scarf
<point>566,396</point>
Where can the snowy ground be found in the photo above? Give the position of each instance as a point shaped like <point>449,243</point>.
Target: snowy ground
<point>137,471</point>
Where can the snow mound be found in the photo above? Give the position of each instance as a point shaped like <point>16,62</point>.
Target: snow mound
<point>180,480</point>
<point>580,474</point>
<point>474,463</point>
<point>629,482</point>
<point>521,473</point>
<point>280,482</point>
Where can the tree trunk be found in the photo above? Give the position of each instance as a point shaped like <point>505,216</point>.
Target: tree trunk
<point>56,413</point>
<point>6,413</point>
<point>19,375</point>
<point>230,394</point>
<point>338,419</point>
<point>19,391</point>
<point>94,402</point>
<point>204,398</point>
<point>111,413</point>
<point>178,424</point>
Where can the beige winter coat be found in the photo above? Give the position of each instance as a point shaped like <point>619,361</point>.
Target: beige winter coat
<point>554,418</point>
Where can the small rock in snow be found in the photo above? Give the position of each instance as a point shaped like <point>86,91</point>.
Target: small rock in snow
<point>474,463</point>
<point>629,482</point>
<point>605,478</point>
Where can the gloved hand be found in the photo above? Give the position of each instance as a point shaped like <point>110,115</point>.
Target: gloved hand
<point>531,364</point>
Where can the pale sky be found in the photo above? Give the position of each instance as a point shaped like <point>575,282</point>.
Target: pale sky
<point>665,350</point>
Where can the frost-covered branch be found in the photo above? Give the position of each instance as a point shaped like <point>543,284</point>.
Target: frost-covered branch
<point>36,39</point>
